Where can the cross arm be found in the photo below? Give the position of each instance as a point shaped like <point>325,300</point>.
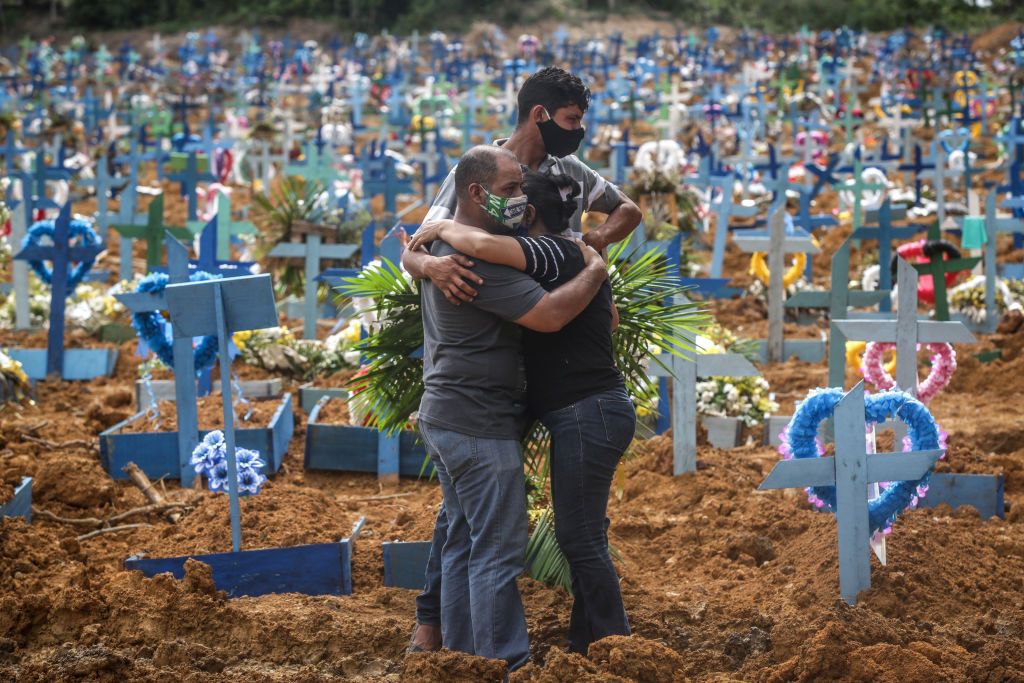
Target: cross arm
<point>790,244</point>
<point>800,472</point>
<point>928,331</point>
<point>141,302</point>
<point>901,466</point>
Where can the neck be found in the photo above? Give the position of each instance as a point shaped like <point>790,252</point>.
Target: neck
<point>528,147</point>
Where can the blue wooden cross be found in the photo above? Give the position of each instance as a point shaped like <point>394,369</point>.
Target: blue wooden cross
<point>906,331</point>
<point>312,251</point>
<point>684,372</point>
<point>851,470</point>
<point>885,232</point>
<point>777,244</point>
<point>380,177</point>
<point>725,208</point>
<point>184,361</point>
<point>189,178</point>
<point>61,254</point>
<point>920,165</point>
<point>222,307</point>
<point>105,185</point>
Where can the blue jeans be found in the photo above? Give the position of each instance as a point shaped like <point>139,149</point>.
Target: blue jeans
<point>485,545</point>
<point>588,439</point>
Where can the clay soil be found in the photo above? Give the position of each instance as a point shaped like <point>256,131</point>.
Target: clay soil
<point>211,415</point>
<point>721,582</point>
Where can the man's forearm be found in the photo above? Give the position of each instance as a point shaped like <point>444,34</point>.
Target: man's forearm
<point>620,223</point>
<point>415,263</point>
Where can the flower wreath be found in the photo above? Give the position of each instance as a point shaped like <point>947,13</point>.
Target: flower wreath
<point>799,440</point>
<point>80,228</point>
<point>943,367</point>
<point>150,325</point>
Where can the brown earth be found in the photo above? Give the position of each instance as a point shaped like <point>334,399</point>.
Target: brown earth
<point>721,582</point>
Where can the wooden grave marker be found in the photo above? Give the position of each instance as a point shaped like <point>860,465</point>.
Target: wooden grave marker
<point>777,243</point>
<point>77,363</point>
<point>312,251</point>
<point>851,470</point>
<point>222,307</point>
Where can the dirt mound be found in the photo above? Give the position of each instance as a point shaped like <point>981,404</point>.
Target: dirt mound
<point>452,667</point>
<point>615,658</point>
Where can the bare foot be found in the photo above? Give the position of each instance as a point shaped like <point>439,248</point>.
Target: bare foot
<point>426,638</point>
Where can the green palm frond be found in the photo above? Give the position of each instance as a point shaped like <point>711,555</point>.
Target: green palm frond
<point>392,383</point>
<point>651,314</point>
<point>545,560</point>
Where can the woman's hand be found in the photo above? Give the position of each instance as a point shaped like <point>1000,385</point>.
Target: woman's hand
<point>427,233</point>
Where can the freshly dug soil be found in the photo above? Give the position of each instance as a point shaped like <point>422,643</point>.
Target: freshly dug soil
<point>211,415</point>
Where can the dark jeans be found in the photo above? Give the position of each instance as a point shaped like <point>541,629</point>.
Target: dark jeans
<point>588,439</point>
<point>484,548</point>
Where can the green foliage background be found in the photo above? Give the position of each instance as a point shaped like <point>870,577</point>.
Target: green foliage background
<point>404,15</point>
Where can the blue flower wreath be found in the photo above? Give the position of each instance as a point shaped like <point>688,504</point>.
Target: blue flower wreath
<point>82,229</point>
<point>800,441</point>
<point>150,325</point>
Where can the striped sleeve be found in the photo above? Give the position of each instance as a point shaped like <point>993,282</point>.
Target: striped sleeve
<point>545,257</point>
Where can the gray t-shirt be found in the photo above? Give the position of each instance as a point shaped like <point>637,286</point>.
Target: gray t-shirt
<point>473,375</point>
<point>596,193</point>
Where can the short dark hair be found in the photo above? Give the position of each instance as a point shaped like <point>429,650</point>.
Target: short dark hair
<point>478,165</point>
<point>545,193</point>
<point>554,88</point>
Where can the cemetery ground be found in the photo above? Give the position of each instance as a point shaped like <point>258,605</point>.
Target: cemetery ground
<point>721,582</point>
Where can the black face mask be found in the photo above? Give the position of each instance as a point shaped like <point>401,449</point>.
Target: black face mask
<point>559,142</point>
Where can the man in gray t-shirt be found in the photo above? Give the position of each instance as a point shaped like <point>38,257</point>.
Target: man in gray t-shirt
<point>473,412</point>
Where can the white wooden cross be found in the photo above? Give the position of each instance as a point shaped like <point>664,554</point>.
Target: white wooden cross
<point>684,373</point>
<point>312,252</point>
<point>777,244</point>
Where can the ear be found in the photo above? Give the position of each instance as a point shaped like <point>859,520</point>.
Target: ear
<point>476,193</point>
<point>537,113</point>
<point>529,216</point>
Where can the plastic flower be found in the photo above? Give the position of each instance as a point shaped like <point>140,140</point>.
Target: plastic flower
<point>249,480</point>
<point>204,458</point>
<point>218,476</point>
<point>214,438</point>
<point>248,458</point>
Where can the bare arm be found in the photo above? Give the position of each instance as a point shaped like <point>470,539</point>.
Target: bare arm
<point>473,242</point>
<point>557,308</point>
<point>450,274</point>
<point>617,227</point>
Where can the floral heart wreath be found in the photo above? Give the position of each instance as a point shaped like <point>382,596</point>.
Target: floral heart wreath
<point>150,325</point>
<point>800,440</point>
<point>943,359</point>
<point>80,229</point>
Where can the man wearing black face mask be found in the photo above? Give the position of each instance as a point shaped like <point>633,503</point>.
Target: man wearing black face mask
<point>548,132</point>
